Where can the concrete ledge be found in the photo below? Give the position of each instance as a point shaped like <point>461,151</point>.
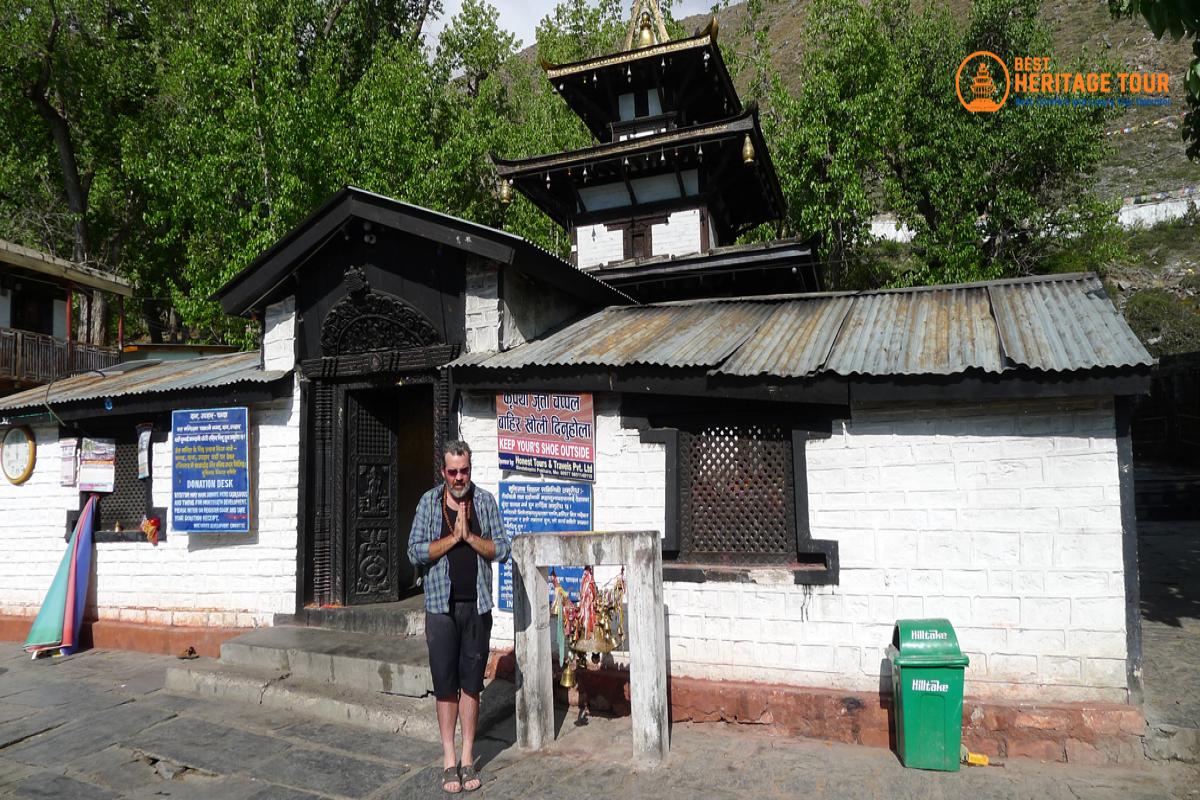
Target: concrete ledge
<point>365,709</point>
<point>1078,733</point>
<point>114,635</point>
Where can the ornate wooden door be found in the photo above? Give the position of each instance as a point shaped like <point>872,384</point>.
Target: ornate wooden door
<point>389,450</point>
<point>374,543</point>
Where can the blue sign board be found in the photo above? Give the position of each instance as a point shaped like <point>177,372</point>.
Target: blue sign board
<point>530,508</point>
<point>210,470</point>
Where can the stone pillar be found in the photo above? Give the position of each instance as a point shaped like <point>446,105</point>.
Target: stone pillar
<point>641,553</point>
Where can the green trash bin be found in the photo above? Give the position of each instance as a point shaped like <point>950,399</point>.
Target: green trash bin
<point>927,692</point>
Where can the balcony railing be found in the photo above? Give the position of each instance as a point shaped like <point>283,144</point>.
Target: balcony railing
<point>27,357</point>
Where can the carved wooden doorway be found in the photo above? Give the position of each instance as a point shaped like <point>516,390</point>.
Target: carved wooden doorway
<point>376,407</point>
<point>389,446</point>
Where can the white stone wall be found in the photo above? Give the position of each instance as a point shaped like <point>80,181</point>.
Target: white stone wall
<point>279,335</point>
<point>1005,518</point>
<point>197,579</point>
<point>630,477</point>
<point>597,245</point>
<point>678,236</point>
<point>482,308</point>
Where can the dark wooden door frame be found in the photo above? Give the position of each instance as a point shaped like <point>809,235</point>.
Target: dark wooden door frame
<point>324,383</point>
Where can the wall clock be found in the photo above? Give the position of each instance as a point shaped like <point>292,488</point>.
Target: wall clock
<point>17,454</point>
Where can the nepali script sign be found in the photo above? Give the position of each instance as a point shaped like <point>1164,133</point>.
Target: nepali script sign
<point>533,508</point>
<point>210,472</point>
<point>547,434</point>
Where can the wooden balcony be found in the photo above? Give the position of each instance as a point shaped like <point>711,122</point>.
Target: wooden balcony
<point>31,358</point>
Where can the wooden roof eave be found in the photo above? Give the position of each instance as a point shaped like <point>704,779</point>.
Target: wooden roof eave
<point>68,272</point>
<point>745,122</point>
<point>705,38</point>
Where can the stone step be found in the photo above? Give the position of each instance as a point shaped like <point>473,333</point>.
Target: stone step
<point>389,664</point>
<point>375,711</point>
<point>405,618</point>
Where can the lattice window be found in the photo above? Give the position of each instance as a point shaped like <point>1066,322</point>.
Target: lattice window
<point>737,494</point>
<point>127,504</point>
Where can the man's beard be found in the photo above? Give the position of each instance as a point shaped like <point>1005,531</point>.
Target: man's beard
<point>459,494</point>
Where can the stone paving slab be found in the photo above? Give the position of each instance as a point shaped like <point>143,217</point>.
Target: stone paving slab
<point>51,786</point>
<point>245,751</point>
<point>86,737</point>
<point>394,749</point>
<point>328,773</point>
<point>214,748</point>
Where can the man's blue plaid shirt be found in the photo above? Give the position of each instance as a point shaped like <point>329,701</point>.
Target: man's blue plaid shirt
<point>427,528</point>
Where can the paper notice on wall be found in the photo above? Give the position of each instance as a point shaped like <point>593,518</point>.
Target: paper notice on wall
<point>97,465</point>
<point>69,463</point>
<point>143,440</point>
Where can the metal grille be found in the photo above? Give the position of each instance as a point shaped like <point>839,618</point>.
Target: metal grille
<point>737,498</point>
<point>126,504</point>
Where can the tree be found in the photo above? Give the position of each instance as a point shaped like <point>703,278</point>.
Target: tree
<point>1179,18</point>
<point>74,77</point>
<point>877,125</point>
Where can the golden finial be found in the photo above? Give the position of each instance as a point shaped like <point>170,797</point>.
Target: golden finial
<point>747,151</point>
<point>646,33</point>
<point>505,191</point>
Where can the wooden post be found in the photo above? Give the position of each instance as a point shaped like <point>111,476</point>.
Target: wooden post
<point>641,553</point>
<point>647,651</point>
<point>121,325</point>
<point>70,320</point>
<point>534,678</point>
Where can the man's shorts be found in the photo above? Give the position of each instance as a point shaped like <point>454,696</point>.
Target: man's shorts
<point>459,643</point>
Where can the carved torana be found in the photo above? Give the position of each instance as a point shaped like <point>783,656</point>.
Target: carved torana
<point>367,320</point>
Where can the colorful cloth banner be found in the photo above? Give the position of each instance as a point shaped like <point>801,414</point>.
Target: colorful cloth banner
<point>58,623</point>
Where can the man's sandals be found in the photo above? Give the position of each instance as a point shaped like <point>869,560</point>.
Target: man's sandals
<point>456,779</point>
<point>470,778</point>
<point>451,782</point>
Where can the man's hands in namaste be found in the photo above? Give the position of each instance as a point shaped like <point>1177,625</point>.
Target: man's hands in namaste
<point>462,530</point>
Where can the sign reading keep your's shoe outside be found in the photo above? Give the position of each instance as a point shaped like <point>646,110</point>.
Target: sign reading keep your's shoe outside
<point>547,434</point>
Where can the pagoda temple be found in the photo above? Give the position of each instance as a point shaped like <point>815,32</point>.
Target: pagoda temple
<point>678,171</point>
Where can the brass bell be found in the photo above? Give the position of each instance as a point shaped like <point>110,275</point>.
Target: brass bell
<point>646,34</point>
<point>748,153</point>
<point>567,679</point>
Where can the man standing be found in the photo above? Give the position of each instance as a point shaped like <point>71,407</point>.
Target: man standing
<point>456,534</point>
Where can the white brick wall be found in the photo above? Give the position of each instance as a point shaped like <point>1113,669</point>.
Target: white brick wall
<point>678,236</point>
<point>1004,518</point>
<point>279,335</point>
<point>597,245</point>
<point>198,579</point>
<point>482,308</point>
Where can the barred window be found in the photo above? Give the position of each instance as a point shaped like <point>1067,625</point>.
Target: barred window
<point>119,513</point>
<point>128,504</point>
<point>737,494</point>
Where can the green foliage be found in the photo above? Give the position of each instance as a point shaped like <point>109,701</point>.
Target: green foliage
<point>1179,18</point>
<point>877,123</point>
<point>1166,324</point>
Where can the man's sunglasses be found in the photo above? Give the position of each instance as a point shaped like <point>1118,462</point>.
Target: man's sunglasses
<point>454,473</point>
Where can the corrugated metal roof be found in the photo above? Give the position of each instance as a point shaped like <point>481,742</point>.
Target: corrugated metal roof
<point>932,332</point>
<point>138,377</point>
<point>1053,323</point>
<point>1064,324</point>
